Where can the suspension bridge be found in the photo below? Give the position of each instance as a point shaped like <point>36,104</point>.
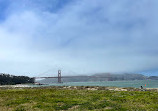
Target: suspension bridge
<point>59,77</point>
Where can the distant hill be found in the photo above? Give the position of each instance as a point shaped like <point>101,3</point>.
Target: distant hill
<point>100,77</point>
<point>125,76</point>
<point>153,77</point>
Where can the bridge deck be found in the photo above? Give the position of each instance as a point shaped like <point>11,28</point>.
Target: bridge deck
<point>74,77</point>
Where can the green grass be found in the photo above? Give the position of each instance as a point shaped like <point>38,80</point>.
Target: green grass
<point>50,99</point>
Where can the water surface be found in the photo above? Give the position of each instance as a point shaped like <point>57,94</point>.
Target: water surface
<point>134,83</point>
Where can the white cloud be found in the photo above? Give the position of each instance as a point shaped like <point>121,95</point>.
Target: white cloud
<point>86,36</point>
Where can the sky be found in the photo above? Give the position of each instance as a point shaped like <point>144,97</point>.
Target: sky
<point>38,37</point>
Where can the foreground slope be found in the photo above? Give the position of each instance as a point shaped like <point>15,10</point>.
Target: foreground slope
<point>77,98</point>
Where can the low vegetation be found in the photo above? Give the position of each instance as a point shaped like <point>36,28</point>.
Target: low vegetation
<point>80,99</point>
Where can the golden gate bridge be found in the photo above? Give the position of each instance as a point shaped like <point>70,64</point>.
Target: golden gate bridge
<point>59,77</point>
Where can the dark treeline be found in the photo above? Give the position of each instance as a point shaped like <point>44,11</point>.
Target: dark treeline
<point>7,79</point>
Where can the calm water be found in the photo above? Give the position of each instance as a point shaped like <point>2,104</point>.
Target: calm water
<point>135,83</point>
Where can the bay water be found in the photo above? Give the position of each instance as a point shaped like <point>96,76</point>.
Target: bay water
<point>134,83</point>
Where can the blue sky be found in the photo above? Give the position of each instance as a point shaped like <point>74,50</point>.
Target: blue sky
<point>78,36</point>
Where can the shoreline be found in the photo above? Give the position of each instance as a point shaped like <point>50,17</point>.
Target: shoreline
<point>26,86</point>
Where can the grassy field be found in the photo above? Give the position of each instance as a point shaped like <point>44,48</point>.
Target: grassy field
<point>80,99</point>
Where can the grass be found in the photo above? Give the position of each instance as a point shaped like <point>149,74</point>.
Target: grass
<point>52,99</point>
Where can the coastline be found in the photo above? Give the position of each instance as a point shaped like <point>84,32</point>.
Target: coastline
<point>23,86</point>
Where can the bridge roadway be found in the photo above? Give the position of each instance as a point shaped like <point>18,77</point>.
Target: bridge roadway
<point>74,77</point>
<point>60,77</point>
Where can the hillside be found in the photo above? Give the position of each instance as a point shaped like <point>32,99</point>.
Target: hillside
<point>7,79</point>
<point>153,77</point>
<point>78,99</point>
<point>99,77</point>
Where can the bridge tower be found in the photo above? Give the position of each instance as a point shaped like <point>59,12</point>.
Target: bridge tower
<point>59,76</point>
